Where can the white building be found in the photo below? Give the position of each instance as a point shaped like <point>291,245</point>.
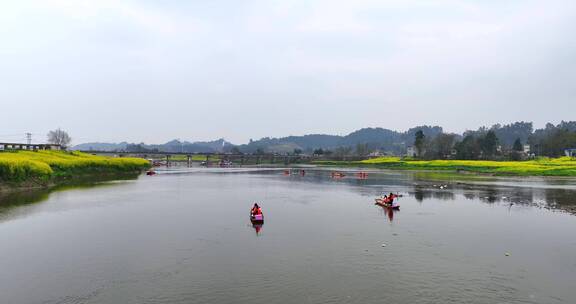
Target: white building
<point>411,152</point>
<point>376,154</point>
<point>526,149</point>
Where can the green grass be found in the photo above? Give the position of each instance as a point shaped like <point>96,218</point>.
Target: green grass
<point>45,166</point>
<point>564,166</point>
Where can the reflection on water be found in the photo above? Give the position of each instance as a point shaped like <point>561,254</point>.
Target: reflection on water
<point>20,203</point>
<point>552,193</point>
<point>183,236</point>
<point>257,227</point>
<point>389,212</point>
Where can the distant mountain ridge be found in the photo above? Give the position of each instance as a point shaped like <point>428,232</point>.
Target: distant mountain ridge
<point>551,140</point>
<point>175,145</point>
<point>374,138</point>
<point>98,146</point>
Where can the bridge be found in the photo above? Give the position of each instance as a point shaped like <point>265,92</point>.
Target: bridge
<point>189,158</point>
<point>236,158</point>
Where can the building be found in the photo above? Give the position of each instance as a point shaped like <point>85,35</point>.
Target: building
<point>570,152</point>
<point>376,153</point>
<point>411,152</point>
<point>31,147</point>
<point>526,149</point>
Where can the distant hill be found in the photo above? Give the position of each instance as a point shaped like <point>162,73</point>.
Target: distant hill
<point>219,145</point>
<point>375,138</point>
<point>386,140</point>
<point>97,146</point>
<point>552,139</point>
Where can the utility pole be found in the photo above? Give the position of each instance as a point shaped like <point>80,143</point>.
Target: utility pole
<point>29,138</point>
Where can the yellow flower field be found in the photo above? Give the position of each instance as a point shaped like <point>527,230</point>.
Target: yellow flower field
<point>564,166</point>
<point>19,166</point>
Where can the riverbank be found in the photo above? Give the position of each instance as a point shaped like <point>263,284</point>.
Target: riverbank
<point>41,169</point>
<point>563,166</point>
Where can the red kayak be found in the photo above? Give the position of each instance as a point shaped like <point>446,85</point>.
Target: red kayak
<point>383,203</point>
<point>257,218</point>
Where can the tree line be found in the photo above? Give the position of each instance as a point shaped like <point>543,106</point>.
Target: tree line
<point>513,141</point>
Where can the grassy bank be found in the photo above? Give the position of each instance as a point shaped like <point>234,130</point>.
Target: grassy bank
<point>563,166</point>
<point>40,168</point>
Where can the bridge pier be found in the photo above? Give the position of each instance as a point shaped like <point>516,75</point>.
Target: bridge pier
<point>167,160</point>
<point>189,161</point>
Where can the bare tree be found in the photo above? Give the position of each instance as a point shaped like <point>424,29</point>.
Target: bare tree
<point>59,137</point>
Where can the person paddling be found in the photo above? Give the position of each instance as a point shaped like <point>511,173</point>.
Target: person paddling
<point>256,210</point>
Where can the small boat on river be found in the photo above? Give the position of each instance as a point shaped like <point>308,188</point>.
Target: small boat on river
<point>257,218</point>
<point>382,202</point>
<point>337,174</point>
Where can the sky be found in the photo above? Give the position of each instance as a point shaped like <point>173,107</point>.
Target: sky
<point>151,71</point>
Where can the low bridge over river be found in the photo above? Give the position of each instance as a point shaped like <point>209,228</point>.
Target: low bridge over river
<point>189,158</point>
<point>237,159</point>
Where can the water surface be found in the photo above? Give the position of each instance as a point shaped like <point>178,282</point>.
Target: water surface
<point>183,236</point>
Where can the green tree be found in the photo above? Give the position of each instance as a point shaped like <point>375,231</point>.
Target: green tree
<point>555,143</point>
<point>518,145</point>
<point>419,142</point>
<point>468,148</point>
<point>235,150</point>
<point>517,150</point>
<point>341,152</point>
<point>362,149</point>
<point>441,146</point>
<point>489,144</point>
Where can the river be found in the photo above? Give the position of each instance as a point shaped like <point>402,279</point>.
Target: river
<point>184,236</point>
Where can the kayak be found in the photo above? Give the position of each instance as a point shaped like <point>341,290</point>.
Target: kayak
<point>257,218</point>
<point>380,202</point>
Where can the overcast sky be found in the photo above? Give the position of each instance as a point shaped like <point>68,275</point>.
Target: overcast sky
<point>197,70</point>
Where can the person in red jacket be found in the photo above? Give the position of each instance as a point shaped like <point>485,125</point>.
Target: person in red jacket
<point>256,209</point>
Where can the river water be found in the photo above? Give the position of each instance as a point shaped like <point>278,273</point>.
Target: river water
<point>184,236</point>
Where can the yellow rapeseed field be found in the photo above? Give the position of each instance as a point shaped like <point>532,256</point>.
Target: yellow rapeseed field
<point>42,165</point>
<point>564,166</point>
